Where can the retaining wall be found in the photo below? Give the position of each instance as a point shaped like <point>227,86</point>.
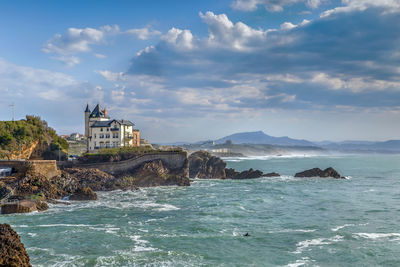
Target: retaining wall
<point>173,160</point>
<point>47,168</point>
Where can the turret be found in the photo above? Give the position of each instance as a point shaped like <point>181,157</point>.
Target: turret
<point>87,114</point>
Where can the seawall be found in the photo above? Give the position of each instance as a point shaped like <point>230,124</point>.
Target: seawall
<point>173,160</point>
<point>47,168</point>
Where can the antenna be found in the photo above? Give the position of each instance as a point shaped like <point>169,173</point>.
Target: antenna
<point>12,107</point>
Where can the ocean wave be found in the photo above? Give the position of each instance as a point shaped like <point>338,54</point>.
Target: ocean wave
<point>269,157</point>
<point>337,228</point>
<point>303,245</point>
<point>300,262</point>
<point>374,236</point>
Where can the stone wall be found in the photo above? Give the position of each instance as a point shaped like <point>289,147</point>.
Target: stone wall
<point>47,168</point>
<point>173,160</point>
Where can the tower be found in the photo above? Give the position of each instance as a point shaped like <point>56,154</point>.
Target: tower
<point>87,113</point>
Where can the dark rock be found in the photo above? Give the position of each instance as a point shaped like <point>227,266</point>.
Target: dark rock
<point>206,166</point>
<point>271,174</point>
<point>155,173</point>
<point>12,251</point>
<point>85,193</point>
<point>41,205</point>
<point>249,174</point>
<point>317,172</point>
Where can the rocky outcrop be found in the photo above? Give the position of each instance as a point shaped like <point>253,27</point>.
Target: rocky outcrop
<point>317,172</point>
<point>12,251</point>
<point>155,173</point>
<point>206,166</point>
<point>85,193</point>
<point>249,174</point>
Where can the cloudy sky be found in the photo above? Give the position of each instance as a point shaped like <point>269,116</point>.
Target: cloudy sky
<point>192,70</point>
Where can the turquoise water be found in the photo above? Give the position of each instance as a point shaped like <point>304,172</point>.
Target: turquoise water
<point>292,222</point>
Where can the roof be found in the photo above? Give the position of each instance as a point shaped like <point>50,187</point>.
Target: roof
<point>87,108</point>
<point>98,112</point>
<point>125,122</point>
<point>108,123</point>
<point>102,123</point>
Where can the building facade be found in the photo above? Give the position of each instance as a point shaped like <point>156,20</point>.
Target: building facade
<point>103,132</point>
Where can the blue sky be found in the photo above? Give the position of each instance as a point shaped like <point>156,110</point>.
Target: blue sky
<point>194,70</point>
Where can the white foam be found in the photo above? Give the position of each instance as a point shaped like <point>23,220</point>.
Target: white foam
<point>392,236</point>
<point>335,229</point>
<point>300,262</point>
<point>140,244</point>
<point>303,245</point>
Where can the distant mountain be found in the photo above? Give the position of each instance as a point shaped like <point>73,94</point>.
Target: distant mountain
<point>366,146</point>
<point>262,138</point>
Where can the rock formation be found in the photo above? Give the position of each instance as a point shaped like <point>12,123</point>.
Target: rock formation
<point>85,193</point>
<point>155,173</point>
<point>12,251</point>
<point>249,174</point>
<point>205,166</point>
<point>317,172</point>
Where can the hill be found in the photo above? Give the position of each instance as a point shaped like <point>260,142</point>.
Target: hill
<point>30,138</point>
<point>260,137</point>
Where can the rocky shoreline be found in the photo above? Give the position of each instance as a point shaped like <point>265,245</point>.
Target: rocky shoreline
<point>30,191</point>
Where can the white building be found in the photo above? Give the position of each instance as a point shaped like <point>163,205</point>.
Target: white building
<point>103,132</point>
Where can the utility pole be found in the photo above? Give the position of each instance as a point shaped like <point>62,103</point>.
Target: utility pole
<point>12,107</point>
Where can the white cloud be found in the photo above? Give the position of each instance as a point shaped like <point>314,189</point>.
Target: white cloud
<point>361,5</point>
<point>111,76</point>
<point>271,5</point>
<point>143,33</point>
<point>224,32</point>
<point>68,60</point>
<point>287,26</point>
<point>100,56</point>
<point>180,39</point>
<point>75,41</point>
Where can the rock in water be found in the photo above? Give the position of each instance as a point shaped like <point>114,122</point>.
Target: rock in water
<point>12,251</point>
<point>317,172</point>
<point>205,166</point>
<point>85,193</point>
<point>249,174</point>
<point>155,173</point>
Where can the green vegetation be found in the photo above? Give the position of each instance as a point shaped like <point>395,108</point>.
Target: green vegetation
<point>118,154</point>
<point>16,134</point>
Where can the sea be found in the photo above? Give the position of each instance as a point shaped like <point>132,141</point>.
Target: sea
<point>290,221</point>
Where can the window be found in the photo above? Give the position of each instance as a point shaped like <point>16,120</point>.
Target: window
<point>108,129</point>
<point>101,129</point>
<point>115,135</point>
<point>107,135</point>
<point>94,143</point>
<point>101,135</point>
<point>94,135</point>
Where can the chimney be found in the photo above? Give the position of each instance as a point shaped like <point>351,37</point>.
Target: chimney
<point>105,112</point>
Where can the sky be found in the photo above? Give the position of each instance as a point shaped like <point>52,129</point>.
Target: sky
<point>197,70</point>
